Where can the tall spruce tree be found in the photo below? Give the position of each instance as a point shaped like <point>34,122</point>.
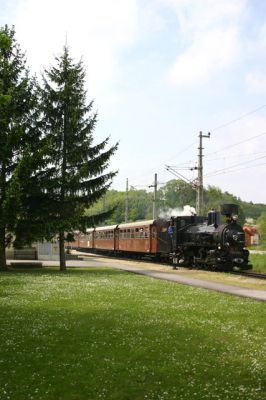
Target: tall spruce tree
<point>75,176</point>
<point>18,101</point>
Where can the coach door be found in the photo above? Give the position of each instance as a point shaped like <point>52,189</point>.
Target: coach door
<point>116,239</point>
<point>153,239</point>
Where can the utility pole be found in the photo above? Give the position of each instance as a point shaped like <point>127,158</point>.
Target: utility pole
<point>199,203</point>
<point>154,202</point>
<point>104,202</point>
<point>126,203</point>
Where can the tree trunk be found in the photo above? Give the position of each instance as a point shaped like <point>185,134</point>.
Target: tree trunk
<point>3,266</point>
<point>62,251</point>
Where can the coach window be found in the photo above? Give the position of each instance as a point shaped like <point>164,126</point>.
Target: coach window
<point>132,233</point>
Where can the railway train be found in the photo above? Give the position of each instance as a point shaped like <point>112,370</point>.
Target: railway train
<point>189,241</point>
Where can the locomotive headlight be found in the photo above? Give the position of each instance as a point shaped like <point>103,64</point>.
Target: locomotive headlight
<point>235,217</point>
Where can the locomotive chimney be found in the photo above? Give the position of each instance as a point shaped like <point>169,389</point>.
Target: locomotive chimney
<point>213,217</point>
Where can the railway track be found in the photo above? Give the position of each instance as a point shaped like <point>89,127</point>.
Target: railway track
<point>256,275</point>
<point>249,274</point>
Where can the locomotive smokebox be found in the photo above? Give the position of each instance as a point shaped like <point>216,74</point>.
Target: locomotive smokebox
<point>229,209</point>
<point>213,218</point>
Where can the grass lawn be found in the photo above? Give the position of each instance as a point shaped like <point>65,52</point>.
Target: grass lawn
<point>258,262</point>
<point>107,334</point>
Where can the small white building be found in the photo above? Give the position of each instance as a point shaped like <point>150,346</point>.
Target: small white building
<point>48,250</point>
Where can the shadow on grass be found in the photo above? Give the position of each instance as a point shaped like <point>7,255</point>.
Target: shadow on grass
<point>127,352</point>
<point>70,271</point>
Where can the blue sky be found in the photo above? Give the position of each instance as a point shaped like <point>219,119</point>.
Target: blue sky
<point>161,71</point>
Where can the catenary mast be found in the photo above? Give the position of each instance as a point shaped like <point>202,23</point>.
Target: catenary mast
<point>199,202</point>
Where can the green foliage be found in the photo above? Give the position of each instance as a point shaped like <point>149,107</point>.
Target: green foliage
<point>175,194</point>
<point>261,223</point>
<point>140,205</point>
<point>258,262</point>
<point>72,175</point>
<point>18,102</point>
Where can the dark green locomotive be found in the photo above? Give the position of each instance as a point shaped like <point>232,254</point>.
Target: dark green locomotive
<point>200,242</point>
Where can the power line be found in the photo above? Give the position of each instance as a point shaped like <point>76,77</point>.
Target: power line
<point>236,144</point>
<point>223,170</point>
<point>238,119</point>
<point>236,156</point>
<point>213,153</point>
<point>239,169</point>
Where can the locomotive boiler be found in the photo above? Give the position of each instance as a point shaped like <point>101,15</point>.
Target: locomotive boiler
<point>200,243</point>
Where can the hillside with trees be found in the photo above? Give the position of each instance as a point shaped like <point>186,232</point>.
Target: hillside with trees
<point>171,197</point>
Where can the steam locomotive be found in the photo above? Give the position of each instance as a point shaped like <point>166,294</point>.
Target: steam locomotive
<point>208,244</point>
<point>190,241</point>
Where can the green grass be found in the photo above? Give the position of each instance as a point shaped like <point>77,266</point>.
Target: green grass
<point>258,262</point>
<point>107,334</point>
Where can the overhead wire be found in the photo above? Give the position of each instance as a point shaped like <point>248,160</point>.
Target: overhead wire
<point>238,119</point>
<point>185,165</point>
<point>225,157</point>
<point>236,144</point>
<point>239,169</point>
<point>217,172</point>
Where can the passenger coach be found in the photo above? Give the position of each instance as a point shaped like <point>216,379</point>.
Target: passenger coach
<point>135,238</point>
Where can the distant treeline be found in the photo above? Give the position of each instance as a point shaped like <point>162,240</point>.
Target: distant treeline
<point>174,195</point>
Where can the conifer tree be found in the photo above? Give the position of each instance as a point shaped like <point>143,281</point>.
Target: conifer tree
<point>75,175</point>
<point>18,102</point>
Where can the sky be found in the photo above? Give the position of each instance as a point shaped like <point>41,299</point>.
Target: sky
<point>160,72</point>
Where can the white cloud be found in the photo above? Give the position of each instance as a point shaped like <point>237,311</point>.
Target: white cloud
<point>96,31</point>
<point>256,49</point>
<point>256,81</point>
<point>209,52</point>
<point>240,158</point>
<point>208,32</point>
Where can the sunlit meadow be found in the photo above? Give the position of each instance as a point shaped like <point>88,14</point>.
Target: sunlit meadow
<point>108,334</point>
<point>259,262</point>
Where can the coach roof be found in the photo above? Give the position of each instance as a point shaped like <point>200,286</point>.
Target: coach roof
<point>136,224</point>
